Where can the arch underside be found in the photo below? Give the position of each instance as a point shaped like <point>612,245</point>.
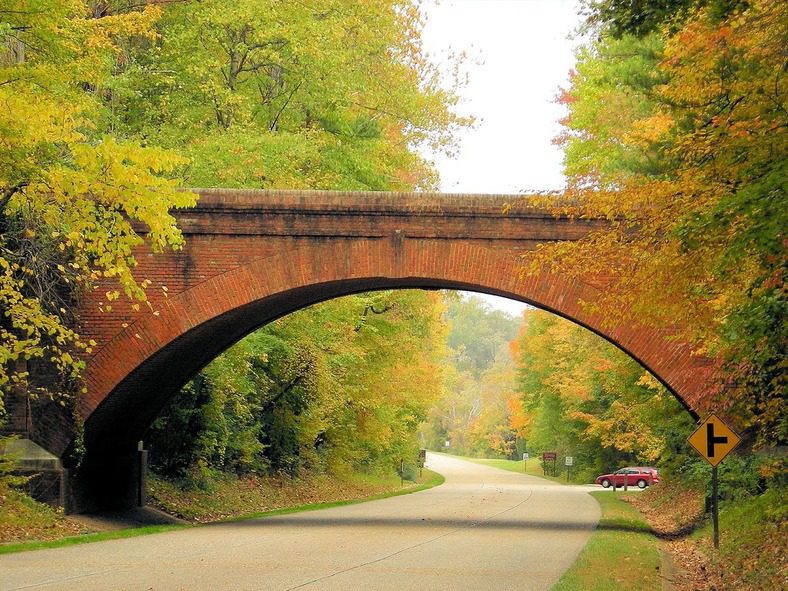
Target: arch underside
<point>132,376</point>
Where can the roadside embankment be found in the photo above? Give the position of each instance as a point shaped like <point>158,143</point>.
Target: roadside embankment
<point>753,552</point>
<point>28,525</point>
<point>232,498</point>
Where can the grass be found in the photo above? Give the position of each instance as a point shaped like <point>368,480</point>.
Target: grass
<point>231,498</point>
<point>22,519</point>
<point>88,538</point>
<point>430,479</point>
<point>534,468</point>
<point>753,542</point>
<point>622,553</point>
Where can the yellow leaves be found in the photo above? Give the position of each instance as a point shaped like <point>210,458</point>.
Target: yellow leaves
<point>650,130</point>
<point>32,333</point>
<point>649,381</point>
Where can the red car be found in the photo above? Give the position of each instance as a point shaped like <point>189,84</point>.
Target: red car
<point>635,475</point>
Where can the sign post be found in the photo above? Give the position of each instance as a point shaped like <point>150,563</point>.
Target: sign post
<point>546,456</point>
<point>714,440</point>
<point>715,512</point>
<point>525,461</point>
<point>568,461</point>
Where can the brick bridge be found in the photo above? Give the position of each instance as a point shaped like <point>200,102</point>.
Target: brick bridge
<point>253,256</point>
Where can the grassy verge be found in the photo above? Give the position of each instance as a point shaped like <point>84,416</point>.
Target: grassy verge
<point>22,519</point>
<point>534,468</point>
<point>428,480</point>
<point>87,538</point>
<point>356,489</point>
<point>753,553</point>
<point>231,498</point>
<point>622,553</point>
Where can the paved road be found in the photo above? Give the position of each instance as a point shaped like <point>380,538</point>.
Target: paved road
<point>483,529</point>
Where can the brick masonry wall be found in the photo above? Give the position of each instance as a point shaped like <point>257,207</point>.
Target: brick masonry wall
<point>251,256</point>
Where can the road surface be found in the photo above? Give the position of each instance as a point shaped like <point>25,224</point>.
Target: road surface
<point>483,529</point>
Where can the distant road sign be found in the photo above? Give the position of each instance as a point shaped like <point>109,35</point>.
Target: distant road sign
<point>549,455</point>
<point>525,456</point>
<point>714,440</point>
<point>569,460</point>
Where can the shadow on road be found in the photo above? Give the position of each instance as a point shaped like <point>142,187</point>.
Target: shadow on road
<point>496,524</point>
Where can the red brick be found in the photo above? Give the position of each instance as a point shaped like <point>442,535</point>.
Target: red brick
<point>244,247</point>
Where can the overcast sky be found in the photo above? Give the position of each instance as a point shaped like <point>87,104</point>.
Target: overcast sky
<point>524,56</point>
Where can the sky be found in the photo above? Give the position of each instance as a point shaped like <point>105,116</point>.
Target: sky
<point>520,56</point>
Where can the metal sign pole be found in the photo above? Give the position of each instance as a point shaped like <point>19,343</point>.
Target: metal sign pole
<point>714,507</point>
<point>714,440</point>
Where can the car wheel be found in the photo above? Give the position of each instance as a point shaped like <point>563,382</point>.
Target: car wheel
<point>641,483</point>
<point>605,483</point>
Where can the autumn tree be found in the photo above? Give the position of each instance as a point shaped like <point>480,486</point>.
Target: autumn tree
<point>478,378</point>
<point>677,135</point>
<point>70,191</point>
<point>581,396</point>
<point>328,94</point>
<point>338,386</point>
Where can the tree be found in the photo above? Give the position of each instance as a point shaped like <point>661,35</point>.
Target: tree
<point>581,396</point>
<point>329,94</point>
<point>478,377</point>
<point>337,386</point>
<point>70,193</point>
<point>678,138</point>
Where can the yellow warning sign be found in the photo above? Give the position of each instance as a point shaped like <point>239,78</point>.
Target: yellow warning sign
<point>714,440</point>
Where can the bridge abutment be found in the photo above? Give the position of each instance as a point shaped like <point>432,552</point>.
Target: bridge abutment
<point>112,482</point>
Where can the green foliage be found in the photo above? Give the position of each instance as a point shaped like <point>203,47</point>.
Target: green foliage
<point>739,477</point>
<point>70,192</point>
<point>580,396</point>
<point>339,386</point>
<point>109,106</point>
<point>618,18</point>
<point>677,134</point>
<point>324,95</point>
<point>477,333</point>
<point>478,381</point>
<point>8,464</point>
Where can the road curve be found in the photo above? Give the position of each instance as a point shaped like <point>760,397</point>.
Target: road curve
<point>483,529</point>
